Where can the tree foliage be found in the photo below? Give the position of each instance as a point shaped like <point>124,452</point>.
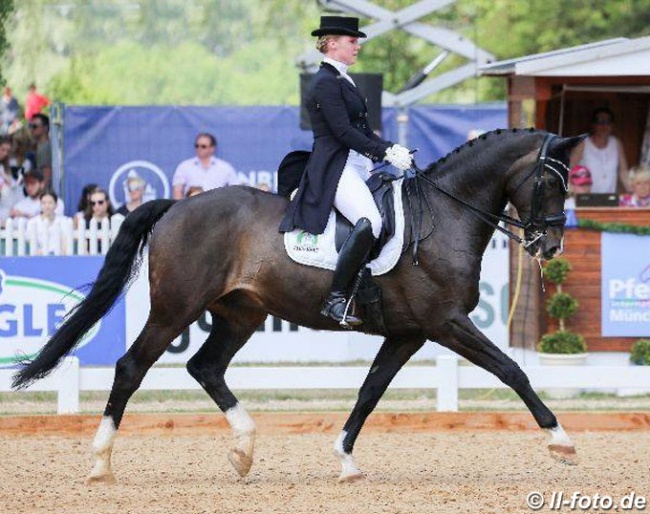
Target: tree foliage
<point>243,52</point>
<point>6,8</point>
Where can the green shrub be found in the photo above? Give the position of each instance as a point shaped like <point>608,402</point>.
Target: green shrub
<point>640,354</point>
<point>562,305</point>
<point>562,341</point>
<point>557,270</point>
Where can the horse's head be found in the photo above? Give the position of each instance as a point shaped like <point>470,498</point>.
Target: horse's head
<point>537,188</point>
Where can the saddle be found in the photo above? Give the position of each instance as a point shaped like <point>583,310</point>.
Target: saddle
<point>367,293</point>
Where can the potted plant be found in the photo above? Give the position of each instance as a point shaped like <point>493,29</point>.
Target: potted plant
<point>562,347</point>
<point>639,356</point>
<point>640,353</point>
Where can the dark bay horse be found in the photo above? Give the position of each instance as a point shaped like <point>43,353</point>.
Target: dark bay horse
<point>221,252</point>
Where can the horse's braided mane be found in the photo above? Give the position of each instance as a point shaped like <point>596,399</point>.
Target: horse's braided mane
<point>480,140</point>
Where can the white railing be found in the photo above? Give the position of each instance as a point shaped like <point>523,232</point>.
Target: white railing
<point>15,239</point>
<point>447,378</point>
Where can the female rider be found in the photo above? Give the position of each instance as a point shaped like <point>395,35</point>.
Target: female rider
<point>342,155</point>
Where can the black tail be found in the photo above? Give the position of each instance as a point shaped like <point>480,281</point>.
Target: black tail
<point>119,267</point>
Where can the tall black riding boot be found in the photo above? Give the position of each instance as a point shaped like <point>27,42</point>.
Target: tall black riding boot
<point>352,256</point>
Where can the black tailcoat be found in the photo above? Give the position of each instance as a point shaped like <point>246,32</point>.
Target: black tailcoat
<point>339,120</point>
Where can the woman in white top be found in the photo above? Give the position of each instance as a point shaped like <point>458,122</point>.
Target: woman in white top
<point>602,153</point>
<point>46,231</point>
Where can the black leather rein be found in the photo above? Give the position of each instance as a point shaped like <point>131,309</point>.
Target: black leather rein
<point>538,222</point>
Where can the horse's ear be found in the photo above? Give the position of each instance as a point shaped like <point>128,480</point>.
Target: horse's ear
<point>569,143</point>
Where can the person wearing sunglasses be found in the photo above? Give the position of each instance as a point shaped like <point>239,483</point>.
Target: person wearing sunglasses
<point>204,170</point>
<point>135,186</point>
<point>602,154</point>
<point>99,207</point>
<point>39,126</point>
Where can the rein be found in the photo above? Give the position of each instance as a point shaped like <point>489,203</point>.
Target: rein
<point>537,221</point>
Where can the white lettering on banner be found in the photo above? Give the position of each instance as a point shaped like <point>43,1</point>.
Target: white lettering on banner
<point>30,311</point>
<point>278,340</point>
<point>629,288</point>
<point>629,317</point>
<point>259,178</point>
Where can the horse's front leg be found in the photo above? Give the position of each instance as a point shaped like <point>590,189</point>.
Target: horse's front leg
<point>393,354</point>
<point>461,336</point>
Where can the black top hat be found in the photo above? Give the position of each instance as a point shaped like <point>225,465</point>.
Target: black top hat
<point>338,26</point>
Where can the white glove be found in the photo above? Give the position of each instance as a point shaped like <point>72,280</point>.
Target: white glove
<point>400,157</point>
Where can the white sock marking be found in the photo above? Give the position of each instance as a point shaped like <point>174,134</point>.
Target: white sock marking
<point>239,420</point>
<point>103,447</point>
<point>559,436</point>
<point>348,467</point>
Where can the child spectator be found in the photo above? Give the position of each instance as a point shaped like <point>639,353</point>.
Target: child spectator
<point>640,182</point>
<point>579,183</point>
<point>30,206</point>
<point>45,231</point>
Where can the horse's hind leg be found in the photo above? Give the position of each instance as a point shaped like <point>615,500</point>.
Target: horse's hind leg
<point>464,338</point>
<point>129,372</point>
<point>231,329</point>
<point>393,354</point>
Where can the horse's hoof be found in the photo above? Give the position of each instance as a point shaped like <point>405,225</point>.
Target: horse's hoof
<point>241,461</point>
<point>108,479</point>
<point>564,454</point>
<point>351,478</point>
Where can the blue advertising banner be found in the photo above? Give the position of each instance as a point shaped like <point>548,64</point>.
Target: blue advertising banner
<point>35,295</point>
<point>103,144</point>
<point>625,285</point>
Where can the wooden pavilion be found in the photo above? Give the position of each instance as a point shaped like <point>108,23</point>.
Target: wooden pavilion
<point>557,91</point>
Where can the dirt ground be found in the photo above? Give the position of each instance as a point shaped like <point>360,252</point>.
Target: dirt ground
<point>417,463</point>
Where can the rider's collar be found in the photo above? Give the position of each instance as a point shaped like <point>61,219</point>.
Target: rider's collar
<point>340,67</point>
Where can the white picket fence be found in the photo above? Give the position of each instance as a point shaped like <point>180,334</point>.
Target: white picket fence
<point>447,377</point>
<point>16,241</point>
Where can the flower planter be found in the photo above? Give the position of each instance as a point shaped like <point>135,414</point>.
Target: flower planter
<point>562,359</point>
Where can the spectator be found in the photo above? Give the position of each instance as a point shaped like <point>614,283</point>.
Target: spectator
<point>204,170</point>
<point>35,102</point>
<point>45,232</point>
<point>40,127</point>
<point>9,111</point>
<point>602,153</point>
<point>136,186</point>
<point>8,185</point>
<point>640,196</point>
<point>30,206</point>
<point>84,204</point>
<point>193,191</point>
<point>22,158</point>
<point>579,182</point>
<point>99,207</point>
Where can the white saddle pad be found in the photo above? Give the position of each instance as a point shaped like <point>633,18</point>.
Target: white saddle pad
<point>320,250</point>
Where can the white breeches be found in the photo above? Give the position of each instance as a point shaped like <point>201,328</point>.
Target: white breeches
<point>353,199</point>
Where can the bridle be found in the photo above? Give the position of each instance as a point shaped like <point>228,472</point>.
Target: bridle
<point>535,226</point>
